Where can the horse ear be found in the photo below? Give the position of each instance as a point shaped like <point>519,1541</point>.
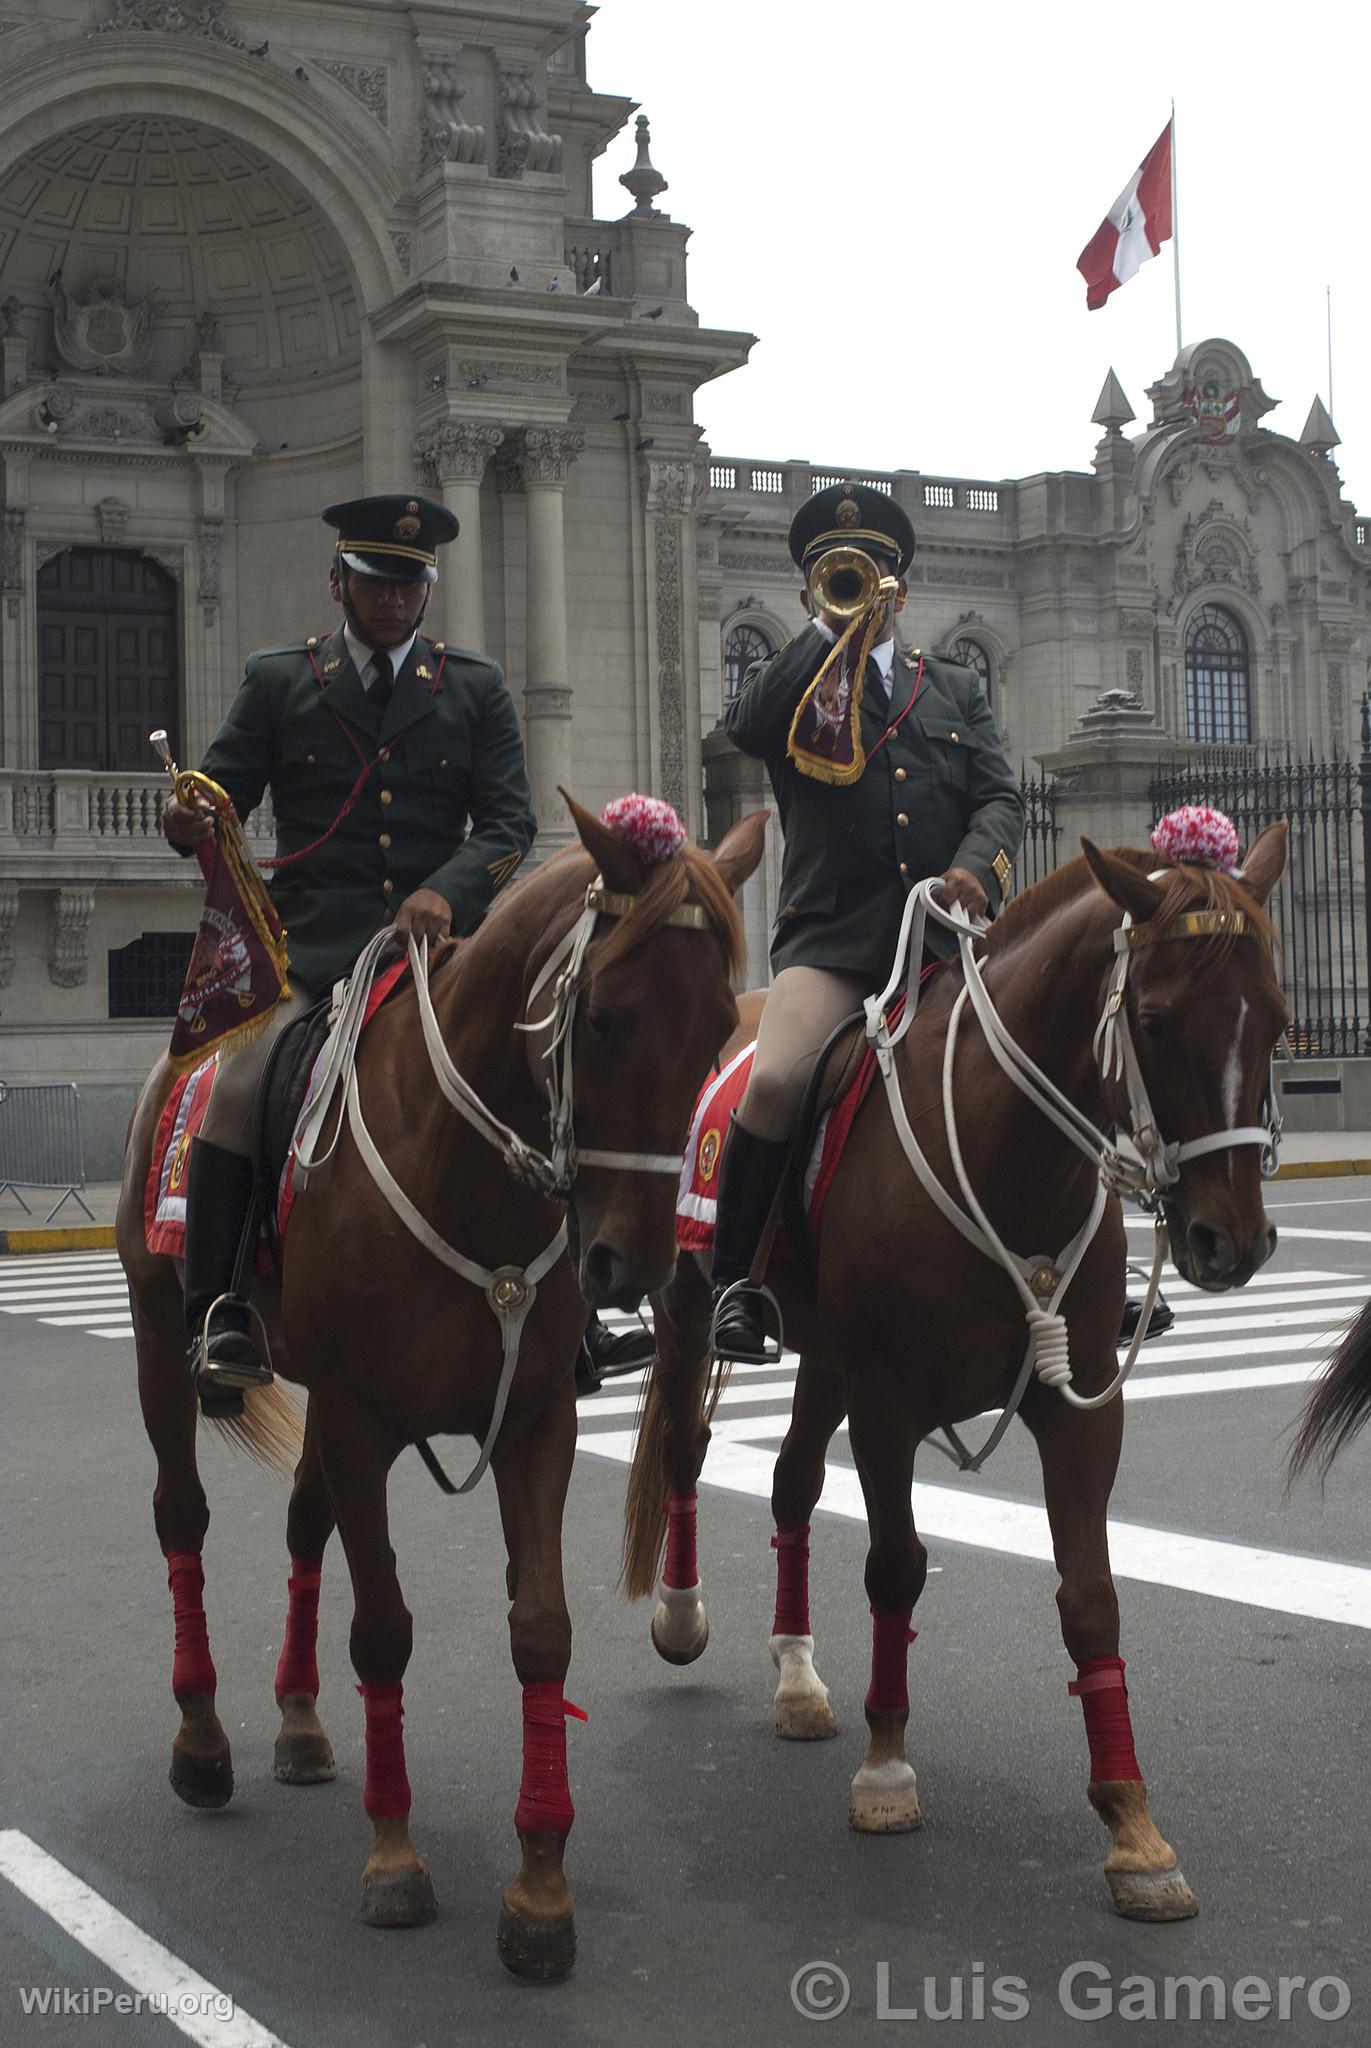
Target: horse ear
<point>624,873</point>
<point>1130,890</point>
<point>1265,863</point>
<point>740,850</point>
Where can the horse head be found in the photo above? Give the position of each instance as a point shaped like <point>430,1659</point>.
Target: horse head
<point>1203,1013</point>
<point>655,1004</point>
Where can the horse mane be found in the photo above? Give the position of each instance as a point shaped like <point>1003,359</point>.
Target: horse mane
<point>1183,888</point>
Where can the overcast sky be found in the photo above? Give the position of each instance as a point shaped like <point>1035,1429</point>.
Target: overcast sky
<point>892,197</point>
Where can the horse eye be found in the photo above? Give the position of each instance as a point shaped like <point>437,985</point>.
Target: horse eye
<point>1153,1024</point>
<point>606,1025</point>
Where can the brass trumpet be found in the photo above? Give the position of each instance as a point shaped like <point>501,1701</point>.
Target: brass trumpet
<point>847,582</point>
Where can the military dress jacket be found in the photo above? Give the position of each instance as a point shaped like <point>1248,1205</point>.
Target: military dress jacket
<point>446,806</point>
<point>938,794</point>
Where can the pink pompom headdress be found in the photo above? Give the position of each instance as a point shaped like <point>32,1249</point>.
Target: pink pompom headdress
<point>1198,836</point>
<point>647,824</point>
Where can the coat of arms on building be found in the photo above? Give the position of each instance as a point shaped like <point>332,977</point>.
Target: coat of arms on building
<point>1217,414</point>
<point>102,331</point>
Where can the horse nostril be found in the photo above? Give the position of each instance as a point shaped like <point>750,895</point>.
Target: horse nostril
<point>600,1272</point>
<point>1211,1250</point>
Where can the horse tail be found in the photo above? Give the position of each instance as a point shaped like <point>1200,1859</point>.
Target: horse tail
<point>270,1430</point>
<point>644,1520</point>
<point>1339,1406</point>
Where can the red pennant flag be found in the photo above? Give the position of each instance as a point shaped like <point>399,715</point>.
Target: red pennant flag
<point>237,971</point>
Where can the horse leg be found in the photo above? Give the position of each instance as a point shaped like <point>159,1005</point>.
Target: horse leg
<point>885,1798</point>
<point>304,1755</point>
<point>673,1437</point>
<point>1079,1454</point>
<point>201,1764</point>
<point>396,1888</point>
<point>803,1713</point>
<point>532,1466</point>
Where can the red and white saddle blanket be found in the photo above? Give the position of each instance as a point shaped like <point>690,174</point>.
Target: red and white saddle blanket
<point>164,1199</point>
<point>697,1197</point>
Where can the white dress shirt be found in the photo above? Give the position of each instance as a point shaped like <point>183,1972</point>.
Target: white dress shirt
<point>361,654</point>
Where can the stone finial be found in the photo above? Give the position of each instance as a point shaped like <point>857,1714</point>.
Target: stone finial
<point>1112,410</point>
<point>1318,433</point>
<point>644,182</point>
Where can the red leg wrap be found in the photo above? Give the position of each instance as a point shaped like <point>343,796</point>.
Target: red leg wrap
<point>298,1670</point>
<point>544,1797</point>
<point>1099,1686</point>
<point>193,1668</point>
<point>791,1546</point>
<point>891,1637</point>
<point>681,1567</point>
<point>387,1787</point>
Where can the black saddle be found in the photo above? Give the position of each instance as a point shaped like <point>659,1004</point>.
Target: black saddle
<point>280,1093</point>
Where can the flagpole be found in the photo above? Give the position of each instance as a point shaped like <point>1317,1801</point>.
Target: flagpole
<point>1175,230</point>
<point>1328,292</point>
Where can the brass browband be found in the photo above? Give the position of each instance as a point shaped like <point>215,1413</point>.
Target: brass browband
<point>1190,924</point>
<point>690,915</point>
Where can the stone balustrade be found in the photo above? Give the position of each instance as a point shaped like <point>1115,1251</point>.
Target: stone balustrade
<point>60,812</point>
<point>970,499</point>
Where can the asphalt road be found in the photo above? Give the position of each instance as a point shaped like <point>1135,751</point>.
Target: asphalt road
<point>711,1863</point>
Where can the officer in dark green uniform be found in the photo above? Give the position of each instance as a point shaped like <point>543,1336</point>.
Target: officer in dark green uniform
<point>886,770</point>
<point>397,775</point>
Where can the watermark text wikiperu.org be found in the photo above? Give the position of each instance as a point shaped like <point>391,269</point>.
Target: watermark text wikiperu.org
<point>56,2001</point>
<point>1085,1990</point>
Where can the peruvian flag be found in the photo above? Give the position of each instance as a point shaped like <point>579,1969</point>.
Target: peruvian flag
<point>1134,228</point>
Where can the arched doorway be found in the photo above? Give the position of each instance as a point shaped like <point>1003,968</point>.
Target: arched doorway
<point>1218,705</point>
<point>108,667</point>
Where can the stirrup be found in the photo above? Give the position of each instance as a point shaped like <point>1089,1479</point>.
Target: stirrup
<point>207,1371</point>
<point>764,1356</point>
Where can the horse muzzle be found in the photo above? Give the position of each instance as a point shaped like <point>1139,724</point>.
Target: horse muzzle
<point>1215,1258</point>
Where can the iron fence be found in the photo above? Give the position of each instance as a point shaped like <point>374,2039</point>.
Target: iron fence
<point>1038,855</point>
<point>1319,908</point>
<point>40,1143</point>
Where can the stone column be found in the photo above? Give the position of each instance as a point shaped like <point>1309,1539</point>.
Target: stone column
<point>548,453</point>
<point>668,495</point>
<point>456,453</point>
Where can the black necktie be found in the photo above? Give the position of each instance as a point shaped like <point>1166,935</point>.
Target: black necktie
<point>380,680</point>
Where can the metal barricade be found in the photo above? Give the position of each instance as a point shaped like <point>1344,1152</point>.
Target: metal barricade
<point>40,1144</point>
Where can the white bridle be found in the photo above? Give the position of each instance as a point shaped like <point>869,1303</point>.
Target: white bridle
<point>1042,1281</point>
<point>510,1291</point>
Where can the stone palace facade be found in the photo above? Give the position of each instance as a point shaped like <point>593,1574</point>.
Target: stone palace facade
<point>256,257</point>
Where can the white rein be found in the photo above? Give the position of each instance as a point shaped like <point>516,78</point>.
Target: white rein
<point>1041,1282</point>
<point>510,1291</point>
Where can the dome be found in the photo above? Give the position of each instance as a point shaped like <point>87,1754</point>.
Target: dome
<point>195,219</point>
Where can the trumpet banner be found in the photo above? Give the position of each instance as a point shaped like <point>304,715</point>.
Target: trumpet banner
<point>237,971</point>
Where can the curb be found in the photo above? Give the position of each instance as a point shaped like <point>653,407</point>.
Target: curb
<point>1321,1169</point>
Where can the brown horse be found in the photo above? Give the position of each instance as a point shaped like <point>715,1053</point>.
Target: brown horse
<point>394,1347</point>
<point>905,1328</point>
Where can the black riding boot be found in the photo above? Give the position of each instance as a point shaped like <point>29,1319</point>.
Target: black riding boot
<point>219,1200</point>
<point>748,1180</point>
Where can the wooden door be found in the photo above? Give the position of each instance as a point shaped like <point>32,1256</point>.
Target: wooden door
<point>107,660</point>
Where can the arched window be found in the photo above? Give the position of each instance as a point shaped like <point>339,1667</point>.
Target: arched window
<point>972,655</point>
<point>1217,704</point>
<point>743,646</point>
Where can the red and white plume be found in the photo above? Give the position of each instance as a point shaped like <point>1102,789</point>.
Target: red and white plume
<point>1134,228</point>
<point>649,824</point>
<point>1198,836</point>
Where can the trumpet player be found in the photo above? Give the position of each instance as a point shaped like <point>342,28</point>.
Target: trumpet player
<point>886,768</point>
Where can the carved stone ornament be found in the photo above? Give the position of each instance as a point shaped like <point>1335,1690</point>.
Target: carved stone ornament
<point>368,83</point>
<point>12,549</point>
<point>445,136</point>
<point>404,248</point>
<point>211,557</point>
<point>112,516</point>
<point>549,453</point>
<point>9,918</point>
<point>670,487</point>
<point>102,331</point>
<point>457,451</point>
<point>69,935</point>
<point>670,680</point>
<point>168,18</point>
<point>521,142</point>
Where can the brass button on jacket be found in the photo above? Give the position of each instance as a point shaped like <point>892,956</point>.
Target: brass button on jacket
<point>383,754</point>
<point>388,885</point>
<point>904,867</point>
<point>309,760</point>
<point>901,774</point>
<point>384,839</point>
<point>902,817</point>
<point>387,796</point>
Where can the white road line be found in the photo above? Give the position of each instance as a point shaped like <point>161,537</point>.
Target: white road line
<point>125,1330</point>
<point>1281,1581</point>
<point>189,2001</point>
<point>1286,1230</point>
<point>15,1304</point>
<point>1297,1297</point>
<point>90,1322</point>
<point>1246,1347</point>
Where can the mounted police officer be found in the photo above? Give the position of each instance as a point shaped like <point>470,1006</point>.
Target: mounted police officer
<point>397,776</point>
<point>887,768</point>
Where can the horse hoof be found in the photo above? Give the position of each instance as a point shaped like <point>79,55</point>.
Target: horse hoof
<point>541,1950</point>
<point>1152,1895</point>
<point>885,1799</point>
<point>203,1781</point>
<point>680,1626</point>
<point>806,1718</point>
<point>304,1760</point>
<point>399,1898</point>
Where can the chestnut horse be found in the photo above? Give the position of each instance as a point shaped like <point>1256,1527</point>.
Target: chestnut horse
<point>906,1328</point>
<point>395,1347</point>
